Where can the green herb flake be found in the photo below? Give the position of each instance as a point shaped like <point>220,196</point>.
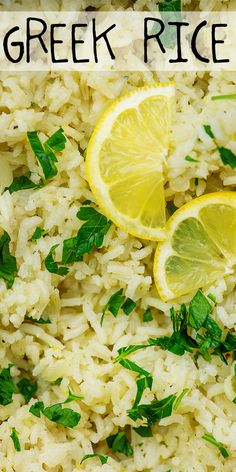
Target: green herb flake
<point>128,306</point>
<point>7,387</point>
<point>234,400</point>
<point>63,416</point>
<point>27,388</point>
<point>209,131</point>
<point>227,156</point>
<point>86,202</point>
<point>53,266</point>
<point>58,381</point>
<point>8,265</point>
<point>69,252</point>
<point>44,152</point>
<point>180,398</point>
<point>190,159</point>
<point>37,408</point>
<point>212,440</point>
<point>103,459</point>
<point>91,234</point>
<point>199,309</point>
<point>144,431</point>
<point>71,397</point>
<point>113,305</point>
<point>22,183</point>
<point>224,97</point>
<point>119,443</point>
<point>123,352</point>
<point>170,12</point>
<point>40,321</point>
<point>134,367</point>
<point>212,297</point>
<point>147,315</point>
<point>142,384</point>
<point>156,410</point>
<point>38,233</point>
<point>15,439</point>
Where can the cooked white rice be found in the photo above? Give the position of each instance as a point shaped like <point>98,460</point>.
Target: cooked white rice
<point>75,346</point>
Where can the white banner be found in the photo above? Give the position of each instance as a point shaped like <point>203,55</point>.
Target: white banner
<point>118,41</point>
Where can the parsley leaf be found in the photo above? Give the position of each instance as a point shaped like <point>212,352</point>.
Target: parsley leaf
<point>190,159</point>
<point>86,202</point>
<point>69,252</point>
<point>199,309</point>
<point>142,384</point>
<point>8,266</point>
<point>144,431</point>
<point>91,234</point>
<point>156,410</point>
<point>128,306</point>
<point>171,12</point>
<point>37,408</point>
<point>38,233</point>
<point>15,439</point>
<point>123,352</point>
<point>119,443</point>
<point>212,440</point>
<point>22,183</point>
<point>44,152</point>
<point>53,266</point>
<point>227,156</point>
<point>209,131</point>
<point>63,416</point>
<point>39,321</point>
<point>7,387</point>
<point>71,397</point>
<point>224,97</point>
<point>58,381</point>
<point>27,389</point>
<point>103,459</point>
<point>113,305</point>
<point>180,398</point>
<point>147,315</point>
<point>134,367</point>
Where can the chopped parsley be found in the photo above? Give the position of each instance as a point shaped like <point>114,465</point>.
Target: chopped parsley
<point>22,183</point>
<point>227,156</point>
<point>44,152</point>
<point>7,387</point>
<point>71,397</point>
<point>15,439</point>
<point>114,303</point>
<point>38,233</point>
<point>143,382</point>
<point>154,411</point>
<point>86,202</point>
<point>209,131</point>
<point>103,459</point>
<point>170,11</point>
<point>41,321</point>
<point>128,306</point>
<point>27,388</point>
<point>123,352</point>
<point>144,431</point>
<point>134,367</point>
<point>63,416</point>
<point>212,440</point>
<point>207,340</point>
<point>119,443</point>
<point>190,159</point>
<point>58,381</point>
<point>224,97</point>
<point>8,266</point>
<point>147,315</point>
<point>90,235</point>
<point>180,398</point>
<point>53,266</point>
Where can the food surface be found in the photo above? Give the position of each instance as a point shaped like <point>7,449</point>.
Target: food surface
<point>97,371</point>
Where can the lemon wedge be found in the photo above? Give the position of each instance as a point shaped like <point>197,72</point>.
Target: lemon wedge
<point>201,245</point>
<point>125,157</point>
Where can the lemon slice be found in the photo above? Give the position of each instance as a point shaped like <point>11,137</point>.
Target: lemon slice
<point>125,157</point>
<point>201,245</point>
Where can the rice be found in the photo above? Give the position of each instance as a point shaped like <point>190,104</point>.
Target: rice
<point>74,346</point>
